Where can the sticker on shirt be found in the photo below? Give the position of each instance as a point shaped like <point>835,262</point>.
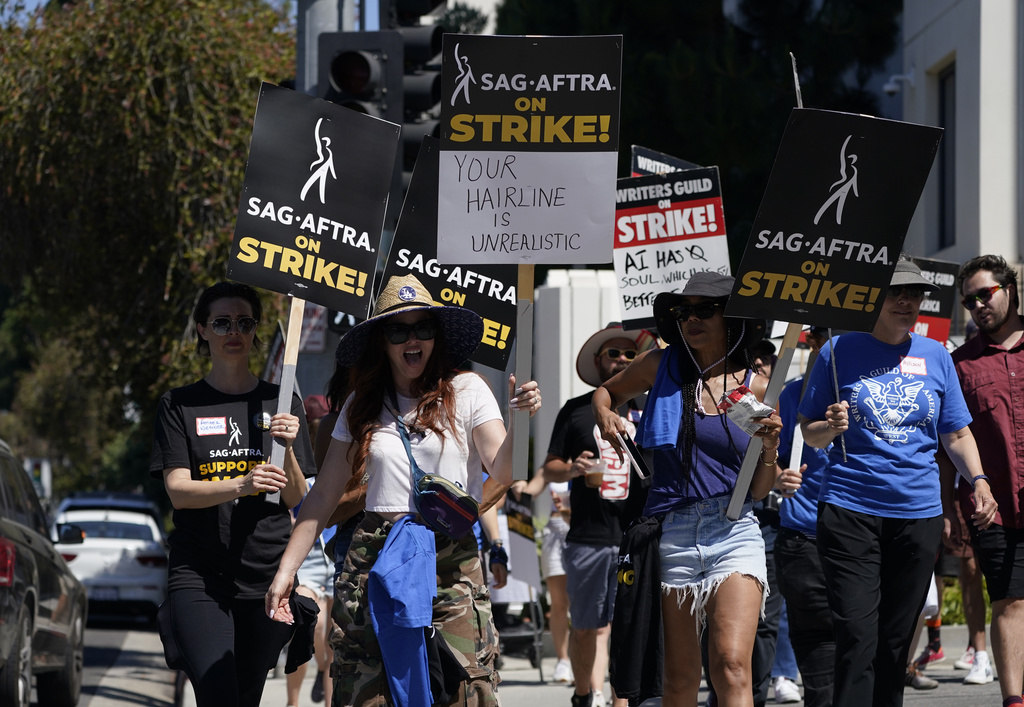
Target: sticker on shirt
<point>893,409</point>
<point>262,420</point>
<point>609,473</point>
<point>913,366</point>
<point>206,426</point>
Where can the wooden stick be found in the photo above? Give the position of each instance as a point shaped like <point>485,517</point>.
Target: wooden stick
<point>523,370</point>
<point>284,398</point>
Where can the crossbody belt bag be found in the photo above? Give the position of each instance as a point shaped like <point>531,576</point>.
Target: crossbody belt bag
<point>442,504</point>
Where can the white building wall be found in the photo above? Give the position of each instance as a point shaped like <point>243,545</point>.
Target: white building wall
<point>981,38</point>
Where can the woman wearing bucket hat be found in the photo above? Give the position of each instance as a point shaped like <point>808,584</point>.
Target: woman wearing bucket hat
<point>697,456</point>
<point>879,508</point>
<point>407,400</point>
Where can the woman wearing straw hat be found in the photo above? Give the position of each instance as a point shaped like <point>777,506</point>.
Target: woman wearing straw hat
<point>879,508</point>
<point>403,384</point>
<point>713,570</point>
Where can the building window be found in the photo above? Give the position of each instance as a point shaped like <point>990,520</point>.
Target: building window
<point>947,157</point>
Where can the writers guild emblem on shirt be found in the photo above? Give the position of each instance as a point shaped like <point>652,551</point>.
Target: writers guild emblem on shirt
<point>262,420</point>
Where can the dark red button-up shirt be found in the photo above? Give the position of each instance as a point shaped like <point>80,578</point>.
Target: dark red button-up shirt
<point>992,379</point>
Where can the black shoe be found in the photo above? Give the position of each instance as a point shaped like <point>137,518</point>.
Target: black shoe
<point>317,694</point>
<point>582,700</point>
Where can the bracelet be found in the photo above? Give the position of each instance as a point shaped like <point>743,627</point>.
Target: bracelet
<point>979,477</point>
<point>773,461</point>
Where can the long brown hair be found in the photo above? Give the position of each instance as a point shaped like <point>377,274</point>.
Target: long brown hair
<point>370,383</point>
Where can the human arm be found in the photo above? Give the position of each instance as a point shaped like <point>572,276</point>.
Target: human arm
<point>498,560</point>
<point>625,385</point>
<point>963,453</point>
<point>533,487</point>
<point>491,439</point>
<point>767,470</point>
<point>352,502</point>
<point>834,421</point>
<point>493,495</point>
<point>954,531</point>
<point>319,504</point>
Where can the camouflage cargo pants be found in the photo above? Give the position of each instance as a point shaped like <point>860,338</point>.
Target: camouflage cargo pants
<point>462,614</point>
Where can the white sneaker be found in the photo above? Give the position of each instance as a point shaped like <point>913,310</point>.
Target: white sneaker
<point>965,661</point>
<point>786,691</point>
<point>563,671</point>
<point>598,699</point>
<point>981,671</point>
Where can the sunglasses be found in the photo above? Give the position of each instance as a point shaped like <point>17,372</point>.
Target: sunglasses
<point>905,290</point>
<point>424,330</point>
<point>613,354</point>
<point>703,310</point>
<point>222,325</point>
<point>984,295</point>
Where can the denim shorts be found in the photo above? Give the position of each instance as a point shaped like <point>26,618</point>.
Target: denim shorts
<point>700,548</point>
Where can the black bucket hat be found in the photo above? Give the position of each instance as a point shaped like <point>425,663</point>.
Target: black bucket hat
<point>702,284</point>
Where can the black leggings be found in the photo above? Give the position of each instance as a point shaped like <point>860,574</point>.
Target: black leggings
<point>228,646</point>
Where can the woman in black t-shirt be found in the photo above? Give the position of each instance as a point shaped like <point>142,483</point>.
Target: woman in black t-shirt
<point>210,443</point>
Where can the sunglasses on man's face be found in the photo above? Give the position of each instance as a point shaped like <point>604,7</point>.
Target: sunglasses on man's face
<point>424,330</point>
<point>984,295</point>
<point>702,310</point>
<point>614,354</point>
<point>905,291</point>
<point>222,325</point>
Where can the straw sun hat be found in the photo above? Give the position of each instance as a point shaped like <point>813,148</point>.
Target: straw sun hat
<point>461,328</point>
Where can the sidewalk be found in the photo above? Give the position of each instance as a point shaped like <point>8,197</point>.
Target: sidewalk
<point>139,677</point>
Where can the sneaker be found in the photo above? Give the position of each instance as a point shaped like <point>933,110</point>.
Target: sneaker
<point>582,700</point>
<point>786,690</point>
<point>563,671</point>
<point>965,661</point>
<point>598,699</point>
<point>317,693</point>
<point>930,654</point>
<point>918,680</point>
<point>981,670</point>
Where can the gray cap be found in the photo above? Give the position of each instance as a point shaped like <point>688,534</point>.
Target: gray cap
<point>908,274</point>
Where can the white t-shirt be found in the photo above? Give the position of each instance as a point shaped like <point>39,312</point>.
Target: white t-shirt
<point>389,482</point>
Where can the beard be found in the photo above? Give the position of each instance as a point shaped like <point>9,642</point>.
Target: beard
<point>994,322</point>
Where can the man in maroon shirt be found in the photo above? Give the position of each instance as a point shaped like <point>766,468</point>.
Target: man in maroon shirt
<point>991,371</point>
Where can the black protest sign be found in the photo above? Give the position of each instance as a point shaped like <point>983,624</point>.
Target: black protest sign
<point>833,218</point>
<point>529,141</point>
<point>667,227</point>
<point>488,290</point>
<point>519,513</point>
<point>312,207</point>
<point>644,160</point>
<point>937,307</point>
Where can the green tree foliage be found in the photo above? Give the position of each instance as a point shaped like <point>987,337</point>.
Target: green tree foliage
<point>462,19</point>
<point>717,89</point>
<point>124,130</point>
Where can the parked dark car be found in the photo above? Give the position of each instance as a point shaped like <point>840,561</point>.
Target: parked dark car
<point>42,606</point>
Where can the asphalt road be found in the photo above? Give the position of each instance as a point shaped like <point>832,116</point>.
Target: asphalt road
<point>124,666</point>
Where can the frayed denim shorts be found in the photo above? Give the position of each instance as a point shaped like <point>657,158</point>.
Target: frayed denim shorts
<point>700,548</point>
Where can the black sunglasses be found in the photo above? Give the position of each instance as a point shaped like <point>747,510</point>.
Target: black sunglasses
<point>424,330</point>
<point>222,325</point>
<point>910,292</point>
<point>703,310</point>
<point>984,295</point>
<point>613,354</point>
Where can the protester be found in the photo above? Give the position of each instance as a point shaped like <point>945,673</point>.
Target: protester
<point>697,457</point>
<point>403,378</point>
<point>210,443</point>
<point>801,581</point>
<point>604,495</point>
<point>880,515</point>
<point>986,366</point>
<point>552,568</point>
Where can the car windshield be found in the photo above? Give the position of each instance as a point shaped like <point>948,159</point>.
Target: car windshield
<point>111,529</point>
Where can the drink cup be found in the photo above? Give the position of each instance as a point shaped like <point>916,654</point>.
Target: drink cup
<point>595,475</point>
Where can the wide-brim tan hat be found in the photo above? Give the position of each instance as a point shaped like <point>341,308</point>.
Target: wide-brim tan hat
<point>461,328</point>
<point>908,274</point>
<point>586,366</point>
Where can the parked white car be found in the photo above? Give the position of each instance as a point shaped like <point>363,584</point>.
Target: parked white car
<point>122,562</point>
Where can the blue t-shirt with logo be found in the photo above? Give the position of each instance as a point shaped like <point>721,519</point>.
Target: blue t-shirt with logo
<point>902,397</point>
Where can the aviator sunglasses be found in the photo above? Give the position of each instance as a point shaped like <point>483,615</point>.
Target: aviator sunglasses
<point>703,310</point>
<point>613,354</point>
<point>222,325</point>
<point>984,295</point>
<point>425,330</point>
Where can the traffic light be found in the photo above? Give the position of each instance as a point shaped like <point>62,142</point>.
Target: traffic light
<point>362,71</point>
<point>421,86</point>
